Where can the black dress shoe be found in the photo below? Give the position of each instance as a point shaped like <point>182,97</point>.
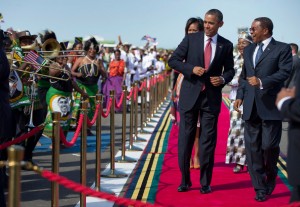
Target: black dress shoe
<point>183,188</point>
<point>205,189</point>
<point>270,187</point>
<point>260,196</point>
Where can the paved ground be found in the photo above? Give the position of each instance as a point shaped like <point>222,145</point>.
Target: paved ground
<point>36,191</point>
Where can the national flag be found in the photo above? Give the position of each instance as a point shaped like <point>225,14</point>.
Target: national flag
<point>36,59</point>
<point>78,40</point>
<point>64,45</point>
<point>149,38</point>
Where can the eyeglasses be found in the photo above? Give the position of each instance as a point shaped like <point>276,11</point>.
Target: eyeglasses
<point>253,29</point>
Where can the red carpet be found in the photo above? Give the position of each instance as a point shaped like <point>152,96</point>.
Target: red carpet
<point>229,189</point>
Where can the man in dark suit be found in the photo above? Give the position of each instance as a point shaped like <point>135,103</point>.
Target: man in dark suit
<point>267,64</point>
<point>7,130</point>
<point>288,102</point>
<point>208,66</point>
<point>296,66</point>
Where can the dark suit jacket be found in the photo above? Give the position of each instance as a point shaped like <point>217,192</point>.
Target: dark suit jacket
<point>191,49</point>
<point>6,120</point>
<point>291,81</point>
<point>291,110</point>
<point>273,68</point>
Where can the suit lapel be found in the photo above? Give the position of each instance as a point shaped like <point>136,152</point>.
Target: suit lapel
<point>201,45</point>
<point>267,50</point>
<point>219,47</point>
<point>251,53</point>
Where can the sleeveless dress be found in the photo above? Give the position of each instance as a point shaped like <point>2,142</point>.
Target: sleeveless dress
<point>88,83</point>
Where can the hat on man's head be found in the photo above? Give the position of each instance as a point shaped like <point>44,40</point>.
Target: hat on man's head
<point>26,35</point>
<point>64,45</point>
<point>133,47</point>
<point>78,40</point>
<point>246,36</point>
<point>126,43</point>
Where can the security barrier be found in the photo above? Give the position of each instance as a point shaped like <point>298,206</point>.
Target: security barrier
<point>153,93</point>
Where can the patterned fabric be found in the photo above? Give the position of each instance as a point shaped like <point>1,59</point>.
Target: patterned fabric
<point>175,99</point>
<point>113,83</point>
<point>235,144</point>
<point>116,68</point>
<point>58,101</point>
<point>234,83</point>
<point>91,90</point>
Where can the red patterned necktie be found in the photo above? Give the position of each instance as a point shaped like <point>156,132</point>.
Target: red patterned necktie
<point>207,57</point>
<point>207,54</point>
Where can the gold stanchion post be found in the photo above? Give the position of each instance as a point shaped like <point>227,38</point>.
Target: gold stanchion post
<point>142,108</point>
<point>130,146</point>
<point>123,158</point>
<point>98,143</point>
<point>15,156</point>
<point>84,105</point>
<point>150,99</point>
<point>112,173</point>
<point>136,104</point>
<point>98,187</point>
<point>55,157</point>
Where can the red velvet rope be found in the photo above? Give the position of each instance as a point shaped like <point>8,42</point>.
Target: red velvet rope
<point>22,137</point>
<point>107,108</point>
<point>149,84</point>
<point>163,76</point>
<point>130,94</point>
<point>91,123</point>
<point>118,105</point>
<point>142,86</point>
<point>75,136</point>
<point>88,191</point>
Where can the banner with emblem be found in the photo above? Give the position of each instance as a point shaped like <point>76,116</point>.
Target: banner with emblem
<point>15,87</point>
<point>58,101</point>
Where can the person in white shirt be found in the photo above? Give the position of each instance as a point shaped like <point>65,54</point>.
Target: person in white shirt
<point>159,65</point>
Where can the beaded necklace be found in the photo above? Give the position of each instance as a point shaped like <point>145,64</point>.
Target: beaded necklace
<point>91,72</point>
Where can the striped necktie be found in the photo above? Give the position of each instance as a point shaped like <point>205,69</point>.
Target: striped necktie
<point>259,52</point>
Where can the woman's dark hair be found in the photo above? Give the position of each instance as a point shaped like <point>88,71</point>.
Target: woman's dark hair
<point>192,21</point>
<point>47,34</point>
<point>89,42</point>
<point>117,50</point>
<point>75,44</point>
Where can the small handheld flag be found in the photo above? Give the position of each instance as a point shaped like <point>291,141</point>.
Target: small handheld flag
<point>36,59</point>
<point>149,38</point>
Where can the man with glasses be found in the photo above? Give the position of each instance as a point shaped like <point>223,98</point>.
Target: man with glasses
<point>267,64</point>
